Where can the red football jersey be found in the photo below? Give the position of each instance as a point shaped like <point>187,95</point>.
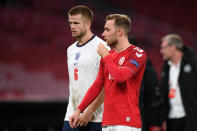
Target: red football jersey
<point>120,74</point>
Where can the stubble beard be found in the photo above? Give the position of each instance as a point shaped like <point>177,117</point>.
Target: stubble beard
<point>113,42</point>
<point>80,35</point>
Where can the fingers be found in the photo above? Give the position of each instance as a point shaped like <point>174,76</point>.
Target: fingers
<point>102,50</point>
<point>82,123</point>
<point>85,124</point>
<point>99,48</point>
<point>82,120</point>
<point>71,119</point>
<point>76,120</point>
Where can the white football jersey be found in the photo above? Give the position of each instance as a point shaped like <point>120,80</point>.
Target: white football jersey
<point>83,65</point>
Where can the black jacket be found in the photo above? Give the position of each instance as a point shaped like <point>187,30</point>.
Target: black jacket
<point>188,87</point>
<point>150,98</point>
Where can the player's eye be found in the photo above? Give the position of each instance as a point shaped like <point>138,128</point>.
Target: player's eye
<point>106,29</point>
<point>76,23</point>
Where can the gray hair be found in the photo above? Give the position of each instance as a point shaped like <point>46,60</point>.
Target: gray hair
<point>174,39</point>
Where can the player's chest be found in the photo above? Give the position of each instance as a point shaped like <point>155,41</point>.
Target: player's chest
<point>82,58</point>
<point>120,59</point>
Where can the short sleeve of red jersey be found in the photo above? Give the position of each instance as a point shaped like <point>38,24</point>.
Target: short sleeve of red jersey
<point>135,60</point>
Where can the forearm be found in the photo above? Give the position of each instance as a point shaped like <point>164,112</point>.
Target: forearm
<point>120,74</point>
<point>91,94</point>
<point>97,102</point>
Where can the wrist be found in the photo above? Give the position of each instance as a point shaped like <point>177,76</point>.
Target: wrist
<point>78,110</point>
<point>105,55</point>
<point>90,110</point>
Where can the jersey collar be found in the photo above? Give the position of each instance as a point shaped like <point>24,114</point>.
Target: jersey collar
<point>78,45</point>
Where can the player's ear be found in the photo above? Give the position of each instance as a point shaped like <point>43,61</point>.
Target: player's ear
<point>88,23</point>
<point>120,32</point>
<point>174,47</point>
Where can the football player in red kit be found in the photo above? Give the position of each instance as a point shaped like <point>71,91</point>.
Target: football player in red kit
<point>120,74</point>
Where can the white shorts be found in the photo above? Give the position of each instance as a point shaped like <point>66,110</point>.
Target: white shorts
<point>120,128</point>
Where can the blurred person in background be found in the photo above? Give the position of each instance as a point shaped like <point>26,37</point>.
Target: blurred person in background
<point>120,74</point>
<point>83,64</point>
<point>179,85</point>
<point>150,97</point>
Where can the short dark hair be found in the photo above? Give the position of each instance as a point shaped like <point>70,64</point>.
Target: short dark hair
<point>122,21</point>
<point>83,10</point>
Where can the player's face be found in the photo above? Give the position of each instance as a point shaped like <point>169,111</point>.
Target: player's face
<point>109,33</point>
<point>166,50</point>
<point>77,25</point>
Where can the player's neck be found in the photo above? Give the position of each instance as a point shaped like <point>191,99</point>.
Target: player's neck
<point>122,44</point>
<point>85,38</point>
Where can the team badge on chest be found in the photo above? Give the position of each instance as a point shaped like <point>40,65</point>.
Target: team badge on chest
<point>121,60</point>
<point>77,55</point>
<point>187,68</point>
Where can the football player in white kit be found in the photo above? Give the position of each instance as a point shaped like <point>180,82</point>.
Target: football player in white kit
<point>83,64</point>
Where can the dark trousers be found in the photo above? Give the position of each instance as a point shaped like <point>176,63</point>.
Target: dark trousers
<point>92,126</point>
<point>176,124</point>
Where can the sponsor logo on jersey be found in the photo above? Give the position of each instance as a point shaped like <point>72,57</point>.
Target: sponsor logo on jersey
<point>128,119</point>
<point>75,63</point>
<point>138,55</point>
<point>138,49</point>
<point>121,60</point>
<point>134,62</point>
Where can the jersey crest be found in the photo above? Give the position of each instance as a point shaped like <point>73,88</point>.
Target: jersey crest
<point>77,55</point>
<point>121,60</point>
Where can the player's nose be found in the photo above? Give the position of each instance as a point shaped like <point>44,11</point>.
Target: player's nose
<point>103,34</point>
<point>72,26</point>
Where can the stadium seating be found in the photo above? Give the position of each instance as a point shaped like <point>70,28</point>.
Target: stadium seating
<point>37,35</point>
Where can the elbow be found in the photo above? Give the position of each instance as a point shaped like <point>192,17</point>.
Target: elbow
<point>121,78</point>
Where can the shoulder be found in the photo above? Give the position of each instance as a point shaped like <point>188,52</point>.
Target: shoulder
<point>71,46</point>
<point>192,60</point>
<point>136,52</point>
<point>98,40</point>
<point>165,67</point>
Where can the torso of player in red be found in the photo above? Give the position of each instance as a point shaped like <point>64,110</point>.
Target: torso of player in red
<point>120,74</point>
<point>121,103</point>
